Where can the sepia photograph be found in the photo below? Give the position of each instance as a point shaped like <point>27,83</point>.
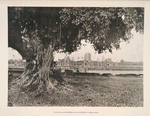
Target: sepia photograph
<point>75,56</point>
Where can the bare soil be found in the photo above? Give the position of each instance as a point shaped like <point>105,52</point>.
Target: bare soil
<point>95,91</point>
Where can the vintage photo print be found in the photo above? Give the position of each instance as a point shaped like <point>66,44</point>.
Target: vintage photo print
<point>40,78</point>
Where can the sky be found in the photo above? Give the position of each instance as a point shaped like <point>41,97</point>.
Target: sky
<point>129,51</point>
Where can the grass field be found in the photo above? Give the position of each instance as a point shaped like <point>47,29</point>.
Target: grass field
<point>89,91</point>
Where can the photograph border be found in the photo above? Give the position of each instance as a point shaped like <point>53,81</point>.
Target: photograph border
<point>47,111</point>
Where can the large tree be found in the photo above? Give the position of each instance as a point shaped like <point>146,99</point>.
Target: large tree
<point>36,32</point>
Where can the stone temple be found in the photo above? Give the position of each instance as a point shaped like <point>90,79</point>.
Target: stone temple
<point>105,64</point>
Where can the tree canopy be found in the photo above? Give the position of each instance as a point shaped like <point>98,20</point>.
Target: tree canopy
<point>67,26</point>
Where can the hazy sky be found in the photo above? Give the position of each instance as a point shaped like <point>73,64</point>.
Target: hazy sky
<point>132,51</point>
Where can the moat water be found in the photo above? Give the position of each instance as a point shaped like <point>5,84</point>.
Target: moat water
<point>115,72</point>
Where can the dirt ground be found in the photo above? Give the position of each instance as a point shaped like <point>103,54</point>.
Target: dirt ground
<point>95,91</point>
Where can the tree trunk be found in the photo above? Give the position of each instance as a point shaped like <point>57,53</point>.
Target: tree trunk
<point>40,77</point>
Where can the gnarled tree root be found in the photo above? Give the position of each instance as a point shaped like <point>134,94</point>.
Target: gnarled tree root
<point>35,85</point>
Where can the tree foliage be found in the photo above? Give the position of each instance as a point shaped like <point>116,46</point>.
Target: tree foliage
<point>66,27</point>
<point>105,27</point>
